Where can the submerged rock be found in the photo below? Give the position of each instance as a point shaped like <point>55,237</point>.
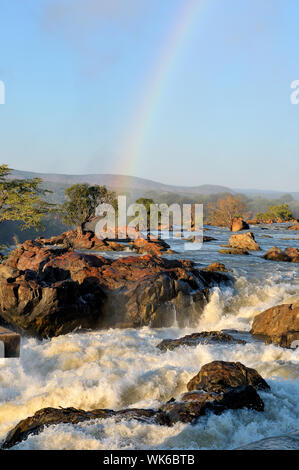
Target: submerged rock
<point>294,227</point>
<point>205,337</point>
<point>47,292</point>
<point>245,241</point>
<point>233,251</point>
<point>187,408</point>
<point>214,267</point>
<point>220,377</point>
<point>278,325</point>
<point>276,254</point>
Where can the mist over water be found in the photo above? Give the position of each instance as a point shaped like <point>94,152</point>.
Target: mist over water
<point>123,368</point>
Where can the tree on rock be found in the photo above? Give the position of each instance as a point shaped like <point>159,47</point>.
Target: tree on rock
<point>22,199</point>
<point>82,201</point>
<point>225,210</point>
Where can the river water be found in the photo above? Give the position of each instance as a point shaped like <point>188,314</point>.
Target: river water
<point>123,368</point>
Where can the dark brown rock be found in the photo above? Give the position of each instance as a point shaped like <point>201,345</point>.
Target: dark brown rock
<point>290,255</point>
<point>51,416</point>
<point>233,251</point>
<point>220,377</point>
<point>279,325</point>
<point>205,337</point>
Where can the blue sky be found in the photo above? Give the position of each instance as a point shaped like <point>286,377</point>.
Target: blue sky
<point>76,73</point>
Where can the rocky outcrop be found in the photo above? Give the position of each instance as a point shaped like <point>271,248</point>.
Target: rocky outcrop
<point>239,224</point>
<point>220,377</point>
<point>279,325</point>
<point>290,254</point>
<point>81,241</point>
<point>47,292</point>
<point>224,393</point>
<point>245,241</point>
<point>204,337</point>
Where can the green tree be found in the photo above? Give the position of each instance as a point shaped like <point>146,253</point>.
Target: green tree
<point>81,203</point>
<point>281,212</point>
<point>22,199</point>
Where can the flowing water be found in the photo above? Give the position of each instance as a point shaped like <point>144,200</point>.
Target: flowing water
<point>123,368</point>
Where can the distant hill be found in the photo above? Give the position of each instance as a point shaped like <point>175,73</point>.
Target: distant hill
<point>119,182</point>
<point>137,187</point>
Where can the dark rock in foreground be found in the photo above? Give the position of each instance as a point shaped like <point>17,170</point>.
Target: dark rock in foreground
<point>51,416</point>
<point>220,377</point>
<point>227,385</point>
<point>194,339</point>
<point>47,292</point>
<point>278,325</point>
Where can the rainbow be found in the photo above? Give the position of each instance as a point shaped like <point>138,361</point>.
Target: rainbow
<point>144,114</point>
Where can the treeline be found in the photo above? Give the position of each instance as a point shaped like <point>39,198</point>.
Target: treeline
<point>29,208</point>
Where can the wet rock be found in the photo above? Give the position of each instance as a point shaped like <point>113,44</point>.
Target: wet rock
<point>205,239</point>
<point>220,377</point>
<point>278,325</point>
<point>47,292</point>
<point>290,255</point>
<point>245,241</point>
<point>214,267</point>
<point>205,337</point>
<point>294,227</point>
<point>233,251</point>
<point>239,224</point>
<point>51,416</point>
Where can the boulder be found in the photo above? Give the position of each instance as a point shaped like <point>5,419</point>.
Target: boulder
<point>46,291</point>
<point>276,254</point>
<point>204,337</point>
<point>245,241</point>
<point>279,325</point>
<point>239,224</point>
<point>220,377</point>
<point>216,267</point>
